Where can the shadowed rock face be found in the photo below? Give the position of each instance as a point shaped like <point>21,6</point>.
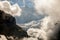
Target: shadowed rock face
<point>8,26</point>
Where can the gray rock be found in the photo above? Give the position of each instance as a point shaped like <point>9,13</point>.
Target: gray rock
<point>8,26</point>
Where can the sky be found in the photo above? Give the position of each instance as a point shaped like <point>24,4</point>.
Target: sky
<point>22,3</point>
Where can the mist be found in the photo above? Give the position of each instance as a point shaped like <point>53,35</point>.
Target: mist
<point>41,22</point>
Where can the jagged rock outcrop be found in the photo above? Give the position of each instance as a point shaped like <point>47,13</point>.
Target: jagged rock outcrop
<point>8,26</point>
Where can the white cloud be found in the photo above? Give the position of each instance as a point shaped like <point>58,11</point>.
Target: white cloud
<point>14,10</point>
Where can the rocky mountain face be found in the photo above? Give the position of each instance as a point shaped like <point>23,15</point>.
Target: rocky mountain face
<point>9,28</point>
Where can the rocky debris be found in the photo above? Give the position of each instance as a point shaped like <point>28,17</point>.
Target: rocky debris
<point>8,26</point>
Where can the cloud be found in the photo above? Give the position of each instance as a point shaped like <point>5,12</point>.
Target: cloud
<point>14,10</point>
